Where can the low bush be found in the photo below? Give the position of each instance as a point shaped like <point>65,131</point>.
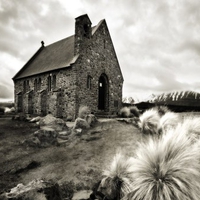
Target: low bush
<point>124,112</point>
<point>83,112</point>
<point>135,111</point>
<point>129,112</point>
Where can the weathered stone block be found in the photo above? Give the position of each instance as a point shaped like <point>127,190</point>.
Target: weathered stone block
<point>37,189</point>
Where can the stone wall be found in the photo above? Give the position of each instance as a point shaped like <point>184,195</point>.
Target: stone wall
<point>60,101</point>
<point>99,58</point>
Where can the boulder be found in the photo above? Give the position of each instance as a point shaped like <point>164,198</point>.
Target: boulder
<point>46,135</point>
<point>52,122</point>
<point>83,194</point>
<point>91,119</point>
<point>80,123</point>
<point>32,142</point>
<point>36,119</point>
<point>36,189</point>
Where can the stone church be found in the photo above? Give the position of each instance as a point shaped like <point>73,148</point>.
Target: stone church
<point>80,70</point>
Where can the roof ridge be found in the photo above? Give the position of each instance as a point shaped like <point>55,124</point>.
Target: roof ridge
<point>60,40</point>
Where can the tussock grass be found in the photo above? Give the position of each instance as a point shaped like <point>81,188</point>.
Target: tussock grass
<point>168,121</point>
<point>83,112</point>
<point>167,169</point>
<point>131,111</point>
<point>118,177</point>
<point>148,121</point>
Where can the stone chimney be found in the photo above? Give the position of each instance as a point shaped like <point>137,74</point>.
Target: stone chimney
<point>83,32</point>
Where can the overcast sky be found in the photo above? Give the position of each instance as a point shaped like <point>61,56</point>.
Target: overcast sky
<point>157,41</point>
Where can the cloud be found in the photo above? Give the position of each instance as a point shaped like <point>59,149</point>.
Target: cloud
<point>6,92</point>
<point>157,42</point>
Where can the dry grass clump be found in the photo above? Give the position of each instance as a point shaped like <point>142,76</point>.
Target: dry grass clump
<point>157,120</point>
<point>118,177</point>
<point>164,168</point>
<point>131,111</point>
<point>167,169</point>
<point>83,112</point>
<point>162,110</point>
<point>124,112</point>
<point>168,121</point>
<point>148,121</point>
<point>134,111</point>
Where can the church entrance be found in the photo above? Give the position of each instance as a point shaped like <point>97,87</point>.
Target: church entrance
<point>103,93</point>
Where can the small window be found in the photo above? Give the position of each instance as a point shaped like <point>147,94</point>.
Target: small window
<point>89,82</point>
<point>35,85</point>
<point>39,84</point>
<point>24,86</point>
<point>49,83</point>
<point>54,81</point>
<point>86,30</point>
<point>27,86</point>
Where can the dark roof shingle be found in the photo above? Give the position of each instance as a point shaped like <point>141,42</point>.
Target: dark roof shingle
<point>54,56</point>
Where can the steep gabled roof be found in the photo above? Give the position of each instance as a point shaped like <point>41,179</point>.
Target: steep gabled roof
<point>52,57</point>
<point>55,56</point>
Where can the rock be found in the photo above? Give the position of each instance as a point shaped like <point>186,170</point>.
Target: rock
<point>83,194</point>
<point>61,141</point>
<point>91,119</point>
<point>52,122</point>
<point>37,189</point>
<point>9,110</point>
<point>81,123</point>
<point>64,133</point>
<point>32,142</point>
<point>36,119</point>
<point>46,135</point>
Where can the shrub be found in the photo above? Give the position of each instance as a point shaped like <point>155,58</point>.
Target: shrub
<point>149,121</point>
<point>134,110</point>
<point>83,112</point>
<point>162,110</point>
<point>67,189</point>
<point>124,112</point>
<point>167,168</point>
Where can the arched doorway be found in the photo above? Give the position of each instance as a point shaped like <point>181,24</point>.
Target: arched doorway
<point>103,93</point>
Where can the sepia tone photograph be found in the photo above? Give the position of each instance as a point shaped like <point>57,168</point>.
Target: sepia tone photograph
<point>100,100</point>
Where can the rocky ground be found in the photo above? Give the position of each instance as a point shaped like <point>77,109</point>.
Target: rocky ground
<point>75,164</point>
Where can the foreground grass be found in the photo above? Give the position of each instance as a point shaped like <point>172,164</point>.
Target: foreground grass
<point>79,163</point>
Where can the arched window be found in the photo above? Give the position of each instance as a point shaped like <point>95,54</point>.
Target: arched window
<point>49,83</point>
<point>54,81</point>
<point>89,82</point>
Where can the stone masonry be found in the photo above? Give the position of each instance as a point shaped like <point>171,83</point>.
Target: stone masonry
<point>79,84</point>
